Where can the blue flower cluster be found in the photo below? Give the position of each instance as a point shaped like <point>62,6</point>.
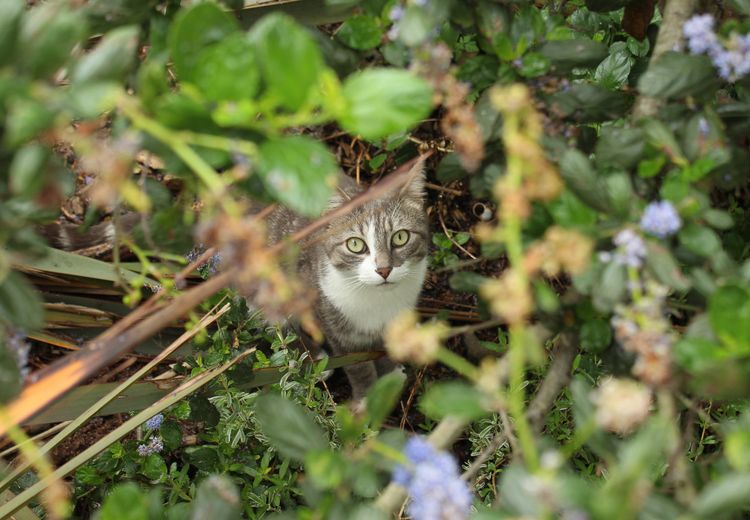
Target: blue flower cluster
<point>155,445</point>
<point>661,219</point>
<point>155,422</point>
<point>731,58</point>
<point>435,486</point>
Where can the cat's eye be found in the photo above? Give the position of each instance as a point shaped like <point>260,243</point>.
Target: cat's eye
<point>355,245</point>
<point>400,238</point>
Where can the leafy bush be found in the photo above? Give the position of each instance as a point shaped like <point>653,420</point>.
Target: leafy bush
<point>611,136</point>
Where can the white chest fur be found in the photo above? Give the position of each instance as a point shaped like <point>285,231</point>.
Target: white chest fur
<point>369,308</point>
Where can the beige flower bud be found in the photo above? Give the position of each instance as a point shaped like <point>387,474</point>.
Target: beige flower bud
<point>406,340</point>
<point>621,404</point>
<point>509,297</point>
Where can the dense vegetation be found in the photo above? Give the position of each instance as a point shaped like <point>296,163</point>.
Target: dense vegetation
<point>585,352</point>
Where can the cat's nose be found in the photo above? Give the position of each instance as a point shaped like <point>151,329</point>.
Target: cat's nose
<point>384,271</point>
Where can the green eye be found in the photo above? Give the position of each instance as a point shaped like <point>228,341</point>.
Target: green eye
<point>400,238</point>
<point>355,245</point>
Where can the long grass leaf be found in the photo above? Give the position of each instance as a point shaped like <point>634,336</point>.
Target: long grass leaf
<point>173,397</point>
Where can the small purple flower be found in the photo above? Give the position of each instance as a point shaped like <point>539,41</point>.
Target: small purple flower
<point>155,445</point>
<point>434,483</point>
<point>700,35</point>
<point>661,219</point>
<point>396,13</point>
<point>155,422</point>
<point>703,127</point>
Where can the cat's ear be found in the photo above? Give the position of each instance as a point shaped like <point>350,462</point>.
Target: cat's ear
<point>415,185</point>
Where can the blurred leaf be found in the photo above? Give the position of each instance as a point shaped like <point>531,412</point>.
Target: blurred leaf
<point>193,30</point>
<point>11,12</point>
<point>590,103</point>
<point>595,335</point>
<point>48,34</point>
<point>699,239</point>
<point>111,59</point>
<point>664,267</point>
<point>125,502</point>
<point>20,305</point>
<point>361,32</point>
<point>467,281</point>
<point>453,398</point>
<point>383,396</point>
<point>227,70</point>
<point>695,354</point>
<point>620,146</point>
<point>283,46</point>
<point>729,314</point>
<point>10,376</point>
<point>27,118</point>
<point>565,55</point>
<point>326,469</point>
<point>727,494</point>
<point>384,101</point>
<point>289,427</point>
<point>676,74</point>
<point>299,171</point>
<point>27,173</point>
<point>217,498</point>
<point>205,458</point>
<point>582,180</point>
<point>154,468</point>
<point>450,169</point>
<point>609,290</point>
<point>568,211</point>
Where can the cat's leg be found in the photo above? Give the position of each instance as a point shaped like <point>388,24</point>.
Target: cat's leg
<point>361,377</point>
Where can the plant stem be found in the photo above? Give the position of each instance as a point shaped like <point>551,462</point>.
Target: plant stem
<point>458,363</point>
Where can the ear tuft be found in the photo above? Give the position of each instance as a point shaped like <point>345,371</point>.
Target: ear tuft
<point>415,186</point>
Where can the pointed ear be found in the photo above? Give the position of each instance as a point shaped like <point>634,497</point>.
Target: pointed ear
<point>415,185</point>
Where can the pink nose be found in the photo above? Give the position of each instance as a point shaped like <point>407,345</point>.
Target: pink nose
<point>384,271</point>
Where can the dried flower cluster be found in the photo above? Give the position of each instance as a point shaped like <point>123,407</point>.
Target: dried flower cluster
<point>642,328</point>
<point>621,404</point>
<point>407,340</point>
<point>509,296</point>
<point>459,123</point>
<point>560,250</point>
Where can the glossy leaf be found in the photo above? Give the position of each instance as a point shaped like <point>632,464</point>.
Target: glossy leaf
<point>289,427</point>
<point>381,102</point>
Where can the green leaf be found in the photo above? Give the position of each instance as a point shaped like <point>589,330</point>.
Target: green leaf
<point>298,171</point>
<point>583,181</point>
<point>725,495</point>
<point>27,171</point>
<point>326,469</point>
<point>193,30</point>
<point>10,376</point>
<point>565,55</point>
<point>620,146</point>
<point>227,70</point>
<point>11,12</point>
<point>217,498</point>
<point>610,288</point>
<point>590,103</point>
<point>283,46</point>
<point>361,32</point>
<point>453,398</point>
<point>613,72</point>
<point>382,101</point>
<point>466,281</point>
<point>20,305</point>
<point>718,219</point>
<point>383,396</point>
<point>729,314</point>
<point>111,59</point>
<point>568,211</point>
<point>171,434</point>
<point>125,502</point>
<point>595,335</point>
<point>696,354</point>
<point>533,64</point>
<point>676,74</point>
<point>27,118</point>
<point>664,267</point>
<point>699,239</point>
<point>48,34</point>
<point>154,468</point>
<point>289,427</point>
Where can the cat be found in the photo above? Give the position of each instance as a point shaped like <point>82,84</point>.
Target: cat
<point>366,267</point>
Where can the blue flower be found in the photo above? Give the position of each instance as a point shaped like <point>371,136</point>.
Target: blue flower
<point>435,486</point>
<point>155,422</point>
<point>396,13</point>
<point>155,445</point>
<point>700,35</point>
<point>661,219</point>
<point>731,58</point>
<point>631,249</point>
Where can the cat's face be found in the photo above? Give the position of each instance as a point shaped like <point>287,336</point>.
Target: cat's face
<point>383,242</point>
